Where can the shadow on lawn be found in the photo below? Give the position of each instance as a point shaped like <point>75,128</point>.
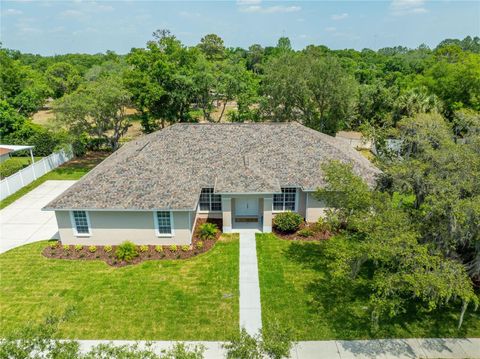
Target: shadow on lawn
<point>344,305</point>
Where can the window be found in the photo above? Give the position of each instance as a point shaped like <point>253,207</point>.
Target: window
<point>163,221</point>
<point>286,200</point>
<point>209,201</point>
<point>81,222</point>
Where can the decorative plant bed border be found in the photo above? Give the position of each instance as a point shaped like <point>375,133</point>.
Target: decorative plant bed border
<point>152,252</point>
<point>316,236</point>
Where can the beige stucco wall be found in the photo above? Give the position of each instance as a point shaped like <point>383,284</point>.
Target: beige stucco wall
<point>117,226</point>
<point>314,208</point>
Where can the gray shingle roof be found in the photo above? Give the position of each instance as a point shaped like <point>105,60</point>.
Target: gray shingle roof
<point>167,169</point>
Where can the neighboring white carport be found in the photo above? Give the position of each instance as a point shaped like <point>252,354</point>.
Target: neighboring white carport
<point>8,149</point>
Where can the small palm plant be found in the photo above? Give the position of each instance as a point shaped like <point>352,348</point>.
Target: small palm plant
<point>207,231</point>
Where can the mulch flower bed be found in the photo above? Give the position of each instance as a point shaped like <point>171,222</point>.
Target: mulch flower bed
<point>152,252</point>
<point>316,234</point>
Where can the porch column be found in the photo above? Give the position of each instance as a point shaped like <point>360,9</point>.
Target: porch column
<point>227,214</point>
<point>267,214</point>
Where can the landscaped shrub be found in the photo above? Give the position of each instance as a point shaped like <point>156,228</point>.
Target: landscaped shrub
<point>108,248</point>
<point>126,251</point>
<point>92,249</point>
<point>199,245</point>
<point>66,247</point>
<point>143,248</point>
<point>11,166</point>
<point>53,245</point>
<point>185,248</point>
<point>207,231</point>
<point>78,247</point>
<point>305,232</point>
<point>321,225</point>
<point>159,249</point>
<point>173,248</point>
<point>287,221</point>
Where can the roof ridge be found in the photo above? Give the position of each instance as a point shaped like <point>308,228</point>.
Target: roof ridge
<point>269,123</point>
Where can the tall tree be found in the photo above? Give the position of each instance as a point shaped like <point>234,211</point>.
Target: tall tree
<point>63,78</point>
<point>284,44</point>
<point>23,88</point>
<point>255,56</point>
<point>381,249</point>
<point>219,83</point>
<point>160,79</point>
<point>212,46</point>
<point>443,177</point>
<point>315,91</point>
<point>455,79</point>
<point>97,108</point>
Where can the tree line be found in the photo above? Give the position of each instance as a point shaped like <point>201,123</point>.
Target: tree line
<point>168,82</point>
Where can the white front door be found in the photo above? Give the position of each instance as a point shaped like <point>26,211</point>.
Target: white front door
<point>246,206</point>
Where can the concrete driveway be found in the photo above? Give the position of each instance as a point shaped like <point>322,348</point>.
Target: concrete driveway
<point>24,222</point>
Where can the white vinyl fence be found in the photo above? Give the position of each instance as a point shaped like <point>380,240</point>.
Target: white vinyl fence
<point>13,183</point>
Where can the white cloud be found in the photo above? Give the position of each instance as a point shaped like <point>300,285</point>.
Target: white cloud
<point>85,9</point>
<point>337,17</point>
<point>248,2</point>
<point>71,13</point>
<point>27,26</point>
<point>57,29</point>
<point>88,30</point>
<point>270,9</point>
<point>330,29</point>
<point>189,14</point>
<point>30,30</point>
<point>405,7</point>
<point>12,12</point>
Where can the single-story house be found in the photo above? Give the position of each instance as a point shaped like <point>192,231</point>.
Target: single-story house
<point>153,189</point>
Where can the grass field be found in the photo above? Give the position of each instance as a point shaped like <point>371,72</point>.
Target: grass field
<point>194,299</point>
<point>297,291</point>
<point>71,170</point>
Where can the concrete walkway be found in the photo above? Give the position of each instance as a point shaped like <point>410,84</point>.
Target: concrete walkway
<point>250,308</point>
<point>344,349</point>
<point>24,222</point>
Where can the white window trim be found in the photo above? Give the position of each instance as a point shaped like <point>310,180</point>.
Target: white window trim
<point>74,225</point>
<point>209,203</point>
<point>284,210</point>
<point>155,220</point>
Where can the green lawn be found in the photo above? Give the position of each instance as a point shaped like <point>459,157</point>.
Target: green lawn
<point>297,291</point>
<point>71,170</point>
<point>194,299</point>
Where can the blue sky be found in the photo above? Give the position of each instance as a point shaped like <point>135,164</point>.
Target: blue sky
<point>56,27</point>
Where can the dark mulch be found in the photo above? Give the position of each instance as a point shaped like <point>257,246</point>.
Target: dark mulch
<point>316,236</point>
<point>151,253</point>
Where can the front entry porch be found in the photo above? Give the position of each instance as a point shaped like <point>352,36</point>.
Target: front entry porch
<point>247,212</point>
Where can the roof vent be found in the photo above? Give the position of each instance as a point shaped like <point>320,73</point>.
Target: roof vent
<point>245,160</point>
